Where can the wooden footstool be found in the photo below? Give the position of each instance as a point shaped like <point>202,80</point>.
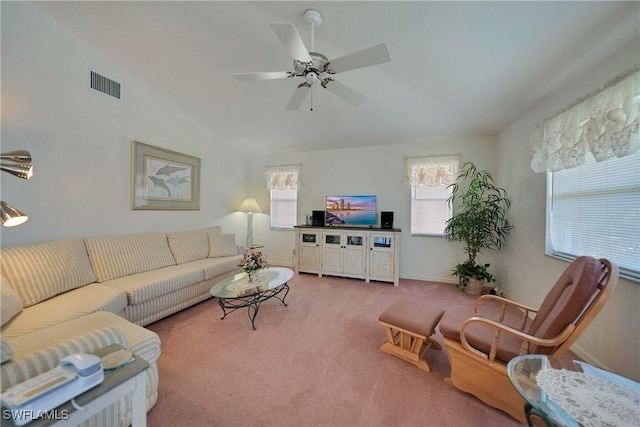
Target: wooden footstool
<point>409,325</point>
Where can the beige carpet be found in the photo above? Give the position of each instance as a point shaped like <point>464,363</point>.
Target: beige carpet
<point>316,362</point>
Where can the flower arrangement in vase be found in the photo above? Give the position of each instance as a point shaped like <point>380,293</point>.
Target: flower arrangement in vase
<point>251,262</point>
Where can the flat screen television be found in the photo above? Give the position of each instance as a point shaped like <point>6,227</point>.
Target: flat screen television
<point>351,210</point>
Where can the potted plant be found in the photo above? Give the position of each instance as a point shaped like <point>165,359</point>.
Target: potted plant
<point>480,222</point>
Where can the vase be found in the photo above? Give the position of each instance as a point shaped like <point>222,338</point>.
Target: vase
<point>251,275</point>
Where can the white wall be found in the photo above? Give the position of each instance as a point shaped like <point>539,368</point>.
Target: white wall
<point>613,339</point>
<point>80,140</point>
<point>379,171</point>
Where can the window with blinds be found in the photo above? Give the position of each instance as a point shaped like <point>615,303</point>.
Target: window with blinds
<point>594,209</point>
<point>430,178</point>
<point>429,210</point>
<point>283,208</point>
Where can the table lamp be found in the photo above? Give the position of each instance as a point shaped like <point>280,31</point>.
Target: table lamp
<point>250,206</point>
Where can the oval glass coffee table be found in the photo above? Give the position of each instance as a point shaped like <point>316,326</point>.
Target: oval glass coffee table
<point>237,292</point>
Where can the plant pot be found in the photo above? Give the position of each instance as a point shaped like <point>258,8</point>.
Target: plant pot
<point>474,286</point>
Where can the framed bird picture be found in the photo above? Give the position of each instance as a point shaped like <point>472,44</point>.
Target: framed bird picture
<point>163,179</point>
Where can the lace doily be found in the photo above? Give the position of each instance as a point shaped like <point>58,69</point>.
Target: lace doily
<point>591,401</point>
<point>262,277</point>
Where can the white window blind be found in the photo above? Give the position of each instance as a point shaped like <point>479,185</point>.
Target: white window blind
<point>284,205</point>
<point>594,209</point>
<point>429,178</point>
<point>429,210</point>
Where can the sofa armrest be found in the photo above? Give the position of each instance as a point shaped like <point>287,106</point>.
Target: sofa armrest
<point>21,369</point>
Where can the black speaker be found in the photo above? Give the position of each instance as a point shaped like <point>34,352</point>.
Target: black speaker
<point>386,219</point>
<point>317,218</point>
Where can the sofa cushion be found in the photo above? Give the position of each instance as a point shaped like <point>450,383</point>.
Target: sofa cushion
<point>188,246</point>
<point>117,256</point>
<point>214,267</point>
<point>10,302</point>
<point>42,270</point>
<point>222,245</point>
<point>145,286</point>
<point>64,307</point>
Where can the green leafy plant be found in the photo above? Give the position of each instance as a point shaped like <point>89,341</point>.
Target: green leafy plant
<point>480,221</point>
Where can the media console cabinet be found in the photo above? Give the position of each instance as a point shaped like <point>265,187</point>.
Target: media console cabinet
<point>356,252</point>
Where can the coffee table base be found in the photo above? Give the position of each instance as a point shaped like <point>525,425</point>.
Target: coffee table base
<point>252,302</point>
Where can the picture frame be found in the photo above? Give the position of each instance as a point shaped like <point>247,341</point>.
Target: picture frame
<point>162,179</point>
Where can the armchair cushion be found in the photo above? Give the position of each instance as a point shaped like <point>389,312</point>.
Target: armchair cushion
<point>479,335</point>
<point>566,300</point>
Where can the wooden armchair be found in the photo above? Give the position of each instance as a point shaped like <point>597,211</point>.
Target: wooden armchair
<point>480,341</point>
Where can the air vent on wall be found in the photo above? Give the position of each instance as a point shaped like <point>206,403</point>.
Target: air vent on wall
<point>105,85</point>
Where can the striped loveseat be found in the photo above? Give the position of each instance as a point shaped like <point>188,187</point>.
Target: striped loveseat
<point>79,295</point>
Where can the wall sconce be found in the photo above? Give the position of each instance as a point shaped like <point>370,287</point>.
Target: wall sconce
<point>250,206</point>
<point>21,167</point>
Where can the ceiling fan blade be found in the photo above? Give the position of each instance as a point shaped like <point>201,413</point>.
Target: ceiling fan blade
<point>268,75</point>
<point>298,96</point>
<point>289,36</point>
<point>364,58</point>
<point>344,92</point>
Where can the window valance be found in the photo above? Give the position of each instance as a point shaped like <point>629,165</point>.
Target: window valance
<point>604,123</point>
<point>431,171</point>
<point>282,177</point>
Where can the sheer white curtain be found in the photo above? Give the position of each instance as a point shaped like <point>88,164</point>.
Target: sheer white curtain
<point>604,123</point>
<point>431,171</point>
<point>282,177</point>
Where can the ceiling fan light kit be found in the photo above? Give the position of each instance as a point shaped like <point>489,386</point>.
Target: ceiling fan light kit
<point>315,67</point>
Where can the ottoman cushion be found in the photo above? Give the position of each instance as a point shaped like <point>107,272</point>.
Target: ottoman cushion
<point>415,316</point>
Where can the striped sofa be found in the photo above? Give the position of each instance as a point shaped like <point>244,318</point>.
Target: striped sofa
<point>79,295</point>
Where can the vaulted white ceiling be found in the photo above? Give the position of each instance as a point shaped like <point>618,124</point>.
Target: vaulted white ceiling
<point>467,68</point>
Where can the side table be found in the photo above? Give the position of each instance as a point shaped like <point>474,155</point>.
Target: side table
<point>564,392</point>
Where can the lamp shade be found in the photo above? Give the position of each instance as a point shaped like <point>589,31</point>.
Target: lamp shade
<point>11,216</point>
<point>250,206</point>
<point>24,171</point>
<point>17,156</point>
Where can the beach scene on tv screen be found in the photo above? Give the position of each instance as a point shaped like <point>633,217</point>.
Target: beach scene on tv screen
<point>351,210</point>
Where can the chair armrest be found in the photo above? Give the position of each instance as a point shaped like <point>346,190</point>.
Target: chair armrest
<point>526,311</point>
<point>29,365</point>
<point>499,328</point>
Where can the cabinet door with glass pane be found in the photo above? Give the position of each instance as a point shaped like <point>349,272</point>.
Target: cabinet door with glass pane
<point>382,253</point>
<point>332,252</point>
<point>309,252</point>
<point>354,253</point>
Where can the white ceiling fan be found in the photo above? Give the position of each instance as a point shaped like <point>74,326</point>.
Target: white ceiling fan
<point>314,67</point>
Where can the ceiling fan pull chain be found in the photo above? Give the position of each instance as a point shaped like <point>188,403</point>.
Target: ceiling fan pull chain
<point>311,90</point>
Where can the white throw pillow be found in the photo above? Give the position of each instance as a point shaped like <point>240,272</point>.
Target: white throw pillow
<point>222,245</point>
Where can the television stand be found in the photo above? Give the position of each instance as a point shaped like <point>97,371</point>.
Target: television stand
<point>368,253</point>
